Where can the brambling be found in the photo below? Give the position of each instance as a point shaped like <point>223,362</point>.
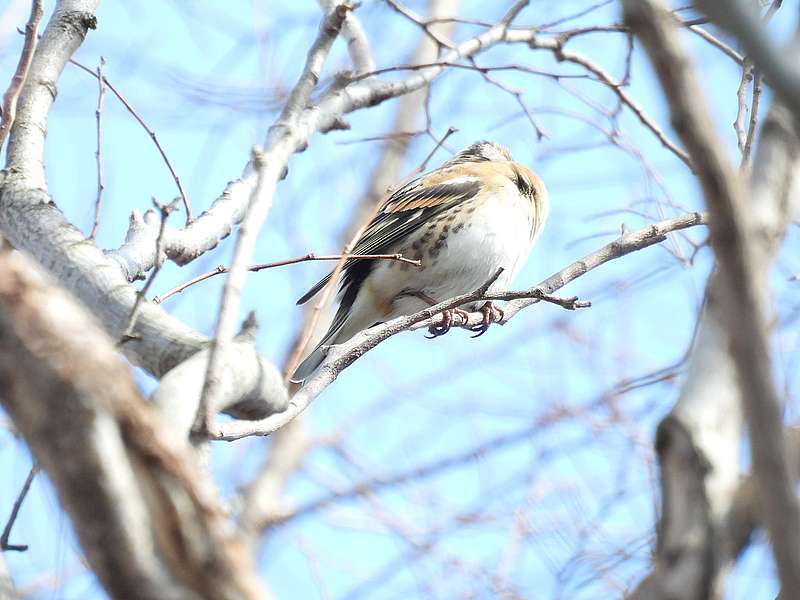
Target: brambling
<point>476,213</point>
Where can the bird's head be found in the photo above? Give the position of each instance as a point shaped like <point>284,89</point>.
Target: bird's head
<point>481,151</point>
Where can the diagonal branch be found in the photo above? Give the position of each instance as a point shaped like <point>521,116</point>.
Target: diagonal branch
<point>280,145</point>
<point>9,109</point>
<point>103,81</point>
<point>4,545</point>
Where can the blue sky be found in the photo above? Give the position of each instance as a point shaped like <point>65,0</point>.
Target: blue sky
<point>573,482</point>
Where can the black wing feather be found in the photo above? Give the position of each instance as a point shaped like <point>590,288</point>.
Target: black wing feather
<point>399,217</point>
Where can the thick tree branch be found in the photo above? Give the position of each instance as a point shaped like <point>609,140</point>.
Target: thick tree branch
<point>743,234</point>
<point>147,518</point>
<point>30,220</point>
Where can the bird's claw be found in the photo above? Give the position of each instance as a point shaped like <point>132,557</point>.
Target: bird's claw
<point>447,322</point>
<point>491,314</point>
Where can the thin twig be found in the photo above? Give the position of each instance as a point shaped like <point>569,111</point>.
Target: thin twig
<point>517,95</point>
<point>751,129</point>
<point>150,132</point>
<point>26,56</point>
<point>424,25</point>
<point>220,269</point>
<point>692,25</point>
<point>101,94</point>
<point>717,43</point>
<point>567,55</point>
<point>4,545</point>
<point>750,74</point>
<point>741,103</point>
<point>582,13</point>
<point>165,210</point>
<point>424,164</point>
<point>470,67</point>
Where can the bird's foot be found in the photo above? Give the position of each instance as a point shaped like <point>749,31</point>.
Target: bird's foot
<point>447,322</point>
<point>491,314</point>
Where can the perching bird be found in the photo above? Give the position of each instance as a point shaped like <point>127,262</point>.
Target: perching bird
<point>476,213</point>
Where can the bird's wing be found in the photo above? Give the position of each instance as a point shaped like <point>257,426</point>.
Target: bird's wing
<point>405,211</point>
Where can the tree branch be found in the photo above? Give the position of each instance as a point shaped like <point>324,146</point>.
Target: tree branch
<point>9,110</point>
<point>741,18</point>
<point>220,269</point>
<point>4,545</point>
<point>148,520</point>
<point>744,234</point>
<point>31,222</point>
<point>280,145</point>
<point>102,81</point>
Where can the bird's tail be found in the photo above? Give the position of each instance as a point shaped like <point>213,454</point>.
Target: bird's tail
<point>311,362</point>
<point>309,365</point>
<point>345,324</point>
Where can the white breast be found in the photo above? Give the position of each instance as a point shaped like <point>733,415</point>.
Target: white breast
<point>497,234</point>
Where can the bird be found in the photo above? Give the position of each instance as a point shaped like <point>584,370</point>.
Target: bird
<point>479,212</point>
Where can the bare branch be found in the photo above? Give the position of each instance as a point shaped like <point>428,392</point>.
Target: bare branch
<point>149,131</point>
<point>282,263</point>
<point>280,144</point>
<point>4,545</point>
<point>717,43</point>
<point>357,42</point>
<point>26,56</point>
<point>31,222</point>
<point>741,96</point>
<point>141,295</point>
<point>98,203</point>
<point>751,128</point>
<point>70,394</point>
<point>742,260</point>
<point>741,18</point>
<point>624,97</point>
